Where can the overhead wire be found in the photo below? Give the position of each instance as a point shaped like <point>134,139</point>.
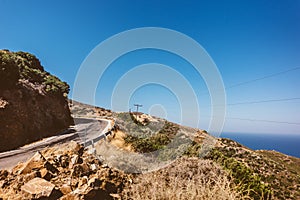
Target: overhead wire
<point>258,79</point>
<point>262,120</point>
<point>263,101</point>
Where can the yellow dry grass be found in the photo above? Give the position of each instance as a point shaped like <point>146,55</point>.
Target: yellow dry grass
<point>185,179</point>
<point>117,139</point>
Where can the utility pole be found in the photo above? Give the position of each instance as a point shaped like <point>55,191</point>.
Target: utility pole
<point>137,107</point>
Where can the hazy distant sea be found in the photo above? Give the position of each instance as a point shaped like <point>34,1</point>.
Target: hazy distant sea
<point>285,143</point>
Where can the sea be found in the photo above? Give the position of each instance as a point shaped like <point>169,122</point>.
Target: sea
<point>285,143</point>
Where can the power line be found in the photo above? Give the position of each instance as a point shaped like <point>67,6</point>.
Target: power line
<point>262,78</point>
<point>256,120</point>
<point>262,120</point>
<point>257,102</point>
<point>258,79</point>
<point>262,101</point>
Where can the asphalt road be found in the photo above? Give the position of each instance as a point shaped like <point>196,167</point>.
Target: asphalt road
<point>86,131</point>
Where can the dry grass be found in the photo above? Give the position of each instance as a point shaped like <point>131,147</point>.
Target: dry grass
<point>117,139</point>
<point>186,178</point>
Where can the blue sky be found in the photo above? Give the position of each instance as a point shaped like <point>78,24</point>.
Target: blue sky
<point>246,39</point>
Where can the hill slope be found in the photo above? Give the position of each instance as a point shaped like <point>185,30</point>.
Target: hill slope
<point>256,174</point>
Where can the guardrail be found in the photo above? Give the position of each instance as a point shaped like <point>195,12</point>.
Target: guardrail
<point>104,134</point>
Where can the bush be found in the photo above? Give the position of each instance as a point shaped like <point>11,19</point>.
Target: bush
<point>143,144</point>
<point>249,183</point>
<point>22,65</point>
<point>54,85</point>
<point>9,71</point>
<point>185,179</point>
<point>30,60</point>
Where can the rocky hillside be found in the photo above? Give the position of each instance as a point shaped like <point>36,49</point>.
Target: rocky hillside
<point>33,103</point>
<point>256,174</point>
<point>253,174</point>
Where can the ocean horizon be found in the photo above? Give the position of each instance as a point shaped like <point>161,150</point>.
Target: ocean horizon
<point>285,143</point>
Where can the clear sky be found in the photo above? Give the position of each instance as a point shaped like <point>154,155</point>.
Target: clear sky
<point>247,40</point>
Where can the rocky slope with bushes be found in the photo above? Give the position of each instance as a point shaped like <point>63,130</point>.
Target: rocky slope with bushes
<point>33,103</point>
<point>259,174</point>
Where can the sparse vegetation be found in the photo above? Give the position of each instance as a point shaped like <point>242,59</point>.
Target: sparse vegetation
<point>260,174</point>
<point>22,65</point>
<point>185,179</point>
<point>154,142</point>
<point>249,183</point>
<point>54,85</point>
<point>251,174</point>
<point>9,72</point>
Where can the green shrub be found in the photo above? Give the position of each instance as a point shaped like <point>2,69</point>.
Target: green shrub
<point>9,71</point>
<point>54,85</point>
<point>249,182</point>
<point>30,60</point>
<point>154,142</point>
<point>22,65</point>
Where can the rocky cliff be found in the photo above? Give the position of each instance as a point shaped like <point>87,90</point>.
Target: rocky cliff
<point>33,103</point>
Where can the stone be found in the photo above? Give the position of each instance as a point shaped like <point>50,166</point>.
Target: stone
<point>64,161</point>
<point>94,167</point>
<point>74,160</point>
<point>105,166</point>
<point>94,182</point>
<point>76,148</point>
<point>115,196</point>
<point>70,196</point>
<point>43,172</point>
<point>35,162</point>
<point>38,187</point>
<point>31,176</point>
<point>46,174</point>
<point>3,174</point>
<point>82,190</point>
<point>83,181</point>
<point>2,183</point>
<point>51,167</point>
<point>80,170</point>
<point>65,189</point>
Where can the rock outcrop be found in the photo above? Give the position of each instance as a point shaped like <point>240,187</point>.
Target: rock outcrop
<point>33,103</point>
<point>65,171</point>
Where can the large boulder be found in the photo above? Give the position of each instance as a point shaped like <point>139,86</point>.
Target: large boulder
<point>33,103</point>
<point>38,188</point>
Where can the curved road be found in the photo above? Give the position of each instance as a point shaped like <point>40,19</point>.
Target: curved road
<point>86,131</point>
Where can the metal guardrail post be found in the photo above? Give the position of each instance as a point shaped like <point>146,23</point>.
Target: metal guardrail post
<point>85,137</point>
